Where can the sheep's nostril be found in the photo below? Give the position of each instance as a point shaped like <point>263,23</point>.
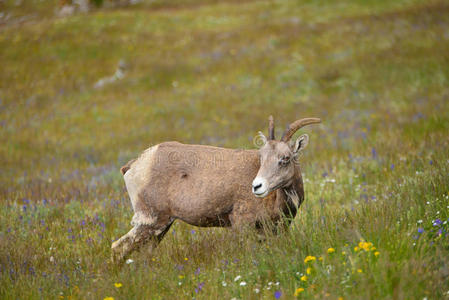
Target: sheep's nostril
<point>256,187</point>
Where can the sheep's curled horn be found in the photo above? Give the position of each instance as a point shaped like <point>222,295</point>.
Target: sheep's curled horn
<point>295,126</point>
<point>271,128</point>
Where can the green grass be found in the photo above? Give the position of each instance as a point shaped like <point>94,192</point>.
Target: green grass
<point>211,72</point>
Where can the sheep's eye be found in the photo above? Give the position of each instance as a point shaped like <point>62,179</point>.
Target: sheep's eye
<point>284,160</point>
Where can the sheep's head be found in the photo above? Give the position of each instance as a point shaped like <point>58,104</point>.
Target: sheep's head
<point>277,158</point>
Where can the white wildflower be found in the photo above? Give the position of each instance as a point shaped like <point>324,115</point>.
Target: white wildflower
<point>242,283</point>
<point>237,278</point>
<point>129,261</point>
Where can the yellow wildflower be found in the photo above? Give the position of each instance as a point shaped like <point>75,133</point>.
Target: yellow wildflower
<point>340,298</point>
<point>376,253</point>
<point>304,278</point>
<point>118,285</point>
<point>365,245</point>
<point>309,258</point>
<point>359,270</point>
<point>298,291</point>
<point>309,270</point>
<point>185,258</point>
<point>108,298</point>
<point>320,258</point>
<point>153,259</point>
<point>343,253</point>
<point>180,276</point>
<point>330,250</point>
<point>356,248</point>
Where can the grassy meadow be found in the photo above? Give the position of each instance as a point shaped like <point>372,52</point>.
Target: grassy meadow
<point>374,224</point>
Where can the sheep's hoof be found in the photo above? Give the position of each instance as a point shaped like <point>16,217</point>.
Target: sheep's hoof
<point>116,255</point>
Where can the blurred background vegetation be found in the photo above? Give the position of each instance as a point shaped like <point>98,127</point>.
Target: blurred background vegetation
<point>87,85</point>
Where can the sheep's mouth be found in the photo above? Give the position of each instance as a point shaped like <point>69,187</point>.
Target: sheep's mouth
<point>261,195</point>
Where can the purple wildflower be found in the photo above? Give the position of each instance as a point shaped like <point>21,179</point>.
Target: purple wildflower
<point>392,167</point>
<point>199,288</point>
<point>192,231</point>
<point>277,294</point>
<point>197,272</point>
<point>420,230</point>
<point>437,222</point>
<point>374,153</point>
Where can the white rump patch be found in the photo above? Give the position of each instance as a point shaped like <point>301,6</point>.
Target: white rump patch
<point>137,177</point>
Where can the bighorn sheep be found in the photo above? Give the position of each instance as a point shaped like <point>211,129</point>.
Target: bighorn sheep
<point>210,186</point>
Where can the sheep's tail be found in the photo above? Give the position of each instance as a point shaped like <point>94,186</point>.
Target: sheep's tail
<point>127,166</point>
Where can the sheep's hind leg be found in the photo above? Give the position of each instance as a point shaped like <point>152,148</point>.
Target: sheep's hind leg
<point>137,237</point>
<point>157,237</point>
<point>134,239</point>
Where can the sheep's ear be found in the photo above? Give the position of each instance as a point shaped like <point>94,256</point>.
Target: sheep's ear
<point>260,140</point>
<point>301,143</point>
